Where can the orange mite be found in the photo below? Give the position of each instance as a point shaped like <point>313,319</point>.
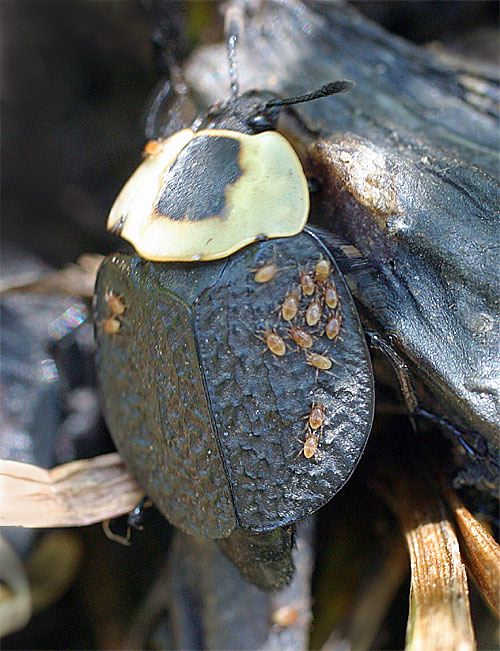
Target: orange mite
<point>274,342</point>
<point>313,313</point>
<point>331,296</point>
<point>332,327</point>
<point>307,284</point>
<point>111,326</point>
<point>115,304</point>
<point>265,272</point>
<point>290,305</point>
<point>311,444</point>
<point>300,337</point>
<point>285,616</point>
<point>153,147</point>
<point>322,270</point>
<point>320,362</point>
<point>317,416</point>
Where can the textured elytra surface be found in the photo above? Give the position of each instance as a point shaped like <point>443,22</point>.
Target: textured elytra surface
<point>154,400</point>
<point>259,400</point>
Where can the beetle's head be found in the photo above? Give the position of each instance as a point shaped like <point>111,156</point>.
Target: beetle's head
<point>258,111</point>
<point>254,111</point>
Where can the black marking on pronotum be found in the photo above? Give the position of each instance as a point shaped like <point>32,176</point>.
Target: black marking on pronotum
<point>192,190</point>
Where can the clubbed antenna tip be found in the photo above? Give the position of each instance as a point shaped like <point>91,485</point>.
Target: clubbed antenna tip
<point>333,87</point>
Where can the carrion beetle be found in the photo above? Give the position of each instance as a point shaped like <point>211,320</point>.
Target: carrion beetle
<point>206,420</point>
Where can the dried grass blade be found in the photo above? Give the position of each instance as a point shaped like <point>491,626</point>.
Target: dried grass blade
<point>73,494</point>
<point>481,553</point>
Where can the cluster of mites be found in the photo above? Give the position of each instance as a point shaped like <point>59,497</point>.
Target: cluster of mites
<point>112,324</point>
<point>311,309</point>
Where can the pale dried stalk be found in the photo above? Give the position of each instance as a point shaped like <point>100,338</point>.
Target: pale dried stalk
<point>73,494</point>
<point>439,617</point>
<point>481,553</point>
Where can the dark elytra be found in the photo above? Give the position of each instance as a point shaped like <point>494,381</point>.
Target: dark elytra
<point>196,183</point>
<point>208,424</point>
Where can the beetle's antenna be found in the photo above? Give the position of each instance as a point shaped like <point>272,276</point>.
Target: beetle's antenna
<point>232,28</point>
<point>324,91</point>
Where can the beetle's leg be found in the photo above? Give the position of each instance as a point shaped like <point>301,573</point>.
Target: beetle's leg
<point>411,401</point>
<point>111,535</point>
<point>134,521</point>
<point>474,452</point>
<point>136,516</point>
<point>402,373</point>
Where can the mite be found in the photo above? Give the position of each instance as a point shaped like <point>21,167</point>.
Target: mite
<point>332,327</point>
<point>153,147</point>
<point>331,296</point>
<point>317,416</point>
<point>273,342</point>
<point>111,326</point>
<point>313,313</point>
<point>322,270</point>
<point>311,444</point>
<point>290,305</point>
<point>266,272</point>
<point>300,337</point>
<point>115,304</point>
<point>307,284</point>
<point>319,362</point>
<point>285,616</point>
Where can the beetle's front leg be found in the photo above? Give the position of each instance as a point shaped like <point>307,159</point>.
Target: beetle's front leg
<point>401,370</point>
<point>474,451</point>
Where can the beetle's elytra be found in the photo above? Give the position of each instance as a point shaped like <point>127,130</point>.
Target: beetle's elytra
<point>206,423</point>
